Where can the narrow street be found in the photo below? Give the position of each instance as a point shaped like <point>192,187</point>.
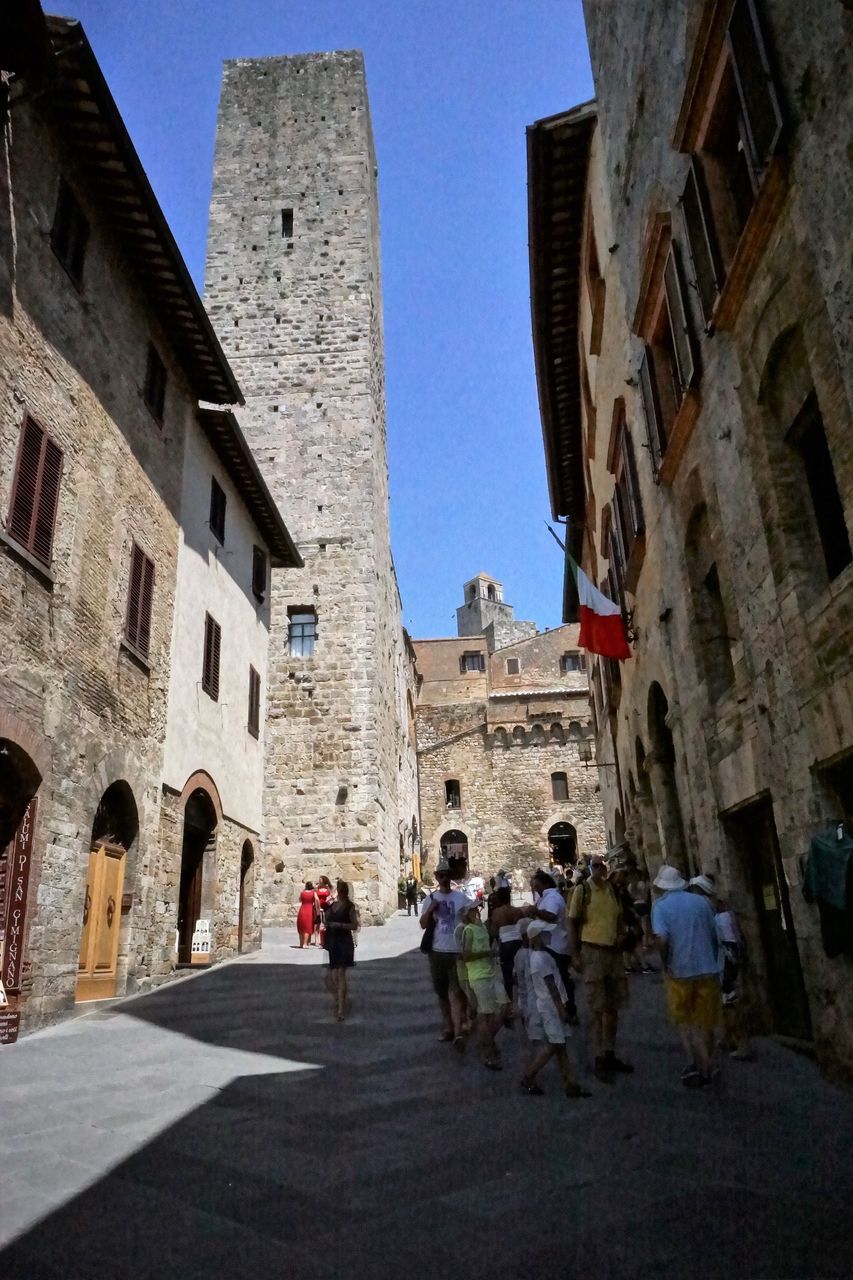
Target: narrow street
<point>225,1127</point>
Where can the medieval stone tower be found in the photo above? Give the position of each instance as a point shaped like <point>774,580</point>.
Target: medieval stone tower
<point>293,288</point>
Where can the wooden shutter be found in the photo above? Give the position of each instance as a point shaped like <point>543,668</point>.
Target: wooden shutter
<point>756,89</point>
<point>254,702</point>
<point>682,337</point>
<point>210,669</point>
<point>35,491</point>
<point>145,605</point>
<point>651,408</point>
<point>632,483</point>
<point>701,241</point>
<point>259,572</point>
<point>217,509</point>
<point>140,598</point>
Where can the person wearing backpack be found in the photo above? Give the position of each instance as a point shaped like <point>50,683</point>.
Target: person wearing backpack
<point>596,924</point>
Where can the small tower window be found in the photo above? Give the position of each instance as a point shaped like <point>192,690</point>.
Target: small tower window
<point>571,662</point>
<point>452,794</point>
<point>513,666</point>
<point>302,633</point>
<point>559,787</point>
<point>287,224</point>
<point>472,662</point>
<point>490,592</point>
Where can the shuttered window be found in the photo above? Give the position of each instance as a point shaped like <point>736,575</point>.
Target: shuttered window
<point>210,669</point>
<point>140,597</point>
<point>654,422</point>
<point>217,509</point>
<point>682,337</point>
<point>35,491</point>
<point>69,233</point>
<point>472,662</point>
<point>259,573</point>
<point>759,99</point>
<point>154,392</point>
<point>701,240</point>
<point>254,722</point>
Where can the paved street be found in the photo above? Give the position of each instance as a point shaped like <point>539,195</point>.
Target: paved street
<point>225,1127</point>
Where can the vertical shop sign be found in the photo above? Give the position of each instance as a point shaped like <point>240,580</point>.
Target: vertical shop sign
<point>18,879</point>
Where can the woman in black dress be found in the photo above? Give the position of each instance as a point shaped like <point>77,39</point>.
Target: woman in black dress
<point>341,924</point>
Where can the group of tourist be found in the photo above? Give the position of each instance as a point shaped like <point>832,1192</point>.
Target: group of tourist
<point>597,922</point>
<point>328,918</point>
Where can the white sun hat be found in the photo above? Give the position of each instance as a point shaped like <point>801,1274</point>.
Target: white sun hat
<point>669,878</point>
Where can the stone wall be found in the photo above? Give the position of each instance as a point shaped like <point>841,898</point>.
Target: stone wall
<point>782,729</point>
<point>293,287</point>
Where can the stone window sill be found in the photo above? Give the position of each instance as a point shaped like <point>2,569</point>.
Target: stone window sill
<point>41,571</point>
<point>138,658</point>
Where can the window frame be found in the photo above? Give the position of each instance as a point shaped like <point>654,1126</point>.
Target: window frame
<point>260,565</point>
<point>218,510</point>
<point>574,655</point>
<point>38,537</point>
<point>559,780</point>
<point>253,722</point>
<point>303,618</point>
<point>479,658</point>
<point>154,386</point>
<point>517,670</point>
<point>69,233</point>
<point>452,788</point>
<point>140,602</point>
<point>210,672</point>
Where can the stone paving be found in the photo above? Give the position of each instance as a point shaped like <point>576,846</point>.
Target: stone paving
<point>225,1127</point>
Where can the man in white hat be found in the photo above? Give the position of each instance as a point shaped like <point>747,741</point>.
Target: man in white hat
<point>683,925</point>
<point>442,911</point>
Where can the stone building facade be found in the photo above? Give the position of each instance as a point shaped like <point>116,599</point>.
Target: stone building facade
<point>293,287</point>
<point>505,748</point>
<point>100,377</point>
<point>699,444</point>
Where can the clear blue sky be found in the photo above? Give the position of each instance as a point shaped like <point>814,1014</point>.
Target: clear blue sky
<point>452,84</point>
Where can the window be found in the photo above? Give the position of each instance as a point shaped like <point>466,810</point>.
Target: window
<point>35,491</point>
<point>452,794</point>
<point>254,721</point>
<point>559,787</point>
<point>259,573</point>
<point>571,662</point>
<point>154,391</point>
<point>808,438</point>
<point>70,232</point>
<point>709,614</point>
<point>513,666</point>
<point>474,661</point>
<point>287,224</point>
<point>140,596</point>
<point>210,667</point>
<point>302,633</point>
<point>491,593</point>
<point>733,136</point>
<point>595,287</point>
<point>628,508</point>
<point>217,509</point>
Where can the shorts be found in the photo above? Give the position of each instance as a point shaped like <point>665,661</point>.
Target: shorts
<point>489,995</point>
<point>442,967</point>
<point>694,1002</point>
<point>545,1024</point>
<point>604,978</point>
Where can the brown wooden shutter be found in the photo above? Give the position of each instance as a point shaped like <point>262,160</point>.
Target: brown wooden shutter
<point>651,408</point>
<point>701,240</point>
<point>210,669</point>
<point>632,484</point>
<point>145,605</point>
<point>682,337</point>
<point>134,595</point>
<point>254,702</point>
<point>259,572</point>
<point>35,491</point>
<point>759,98</point>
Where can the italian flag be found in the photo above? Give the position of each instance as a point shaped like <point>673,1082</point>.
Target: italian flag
<point>602,627</point>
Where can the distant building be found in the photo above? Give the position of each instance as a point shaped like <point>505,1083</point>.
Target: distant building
<point>692,300</point>
<point>505,743</point>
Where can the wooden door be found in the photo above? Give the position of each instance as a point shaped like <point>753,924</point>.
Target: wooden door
<point>96,975</point>
<point>189,893</point>
<point>786,992</point>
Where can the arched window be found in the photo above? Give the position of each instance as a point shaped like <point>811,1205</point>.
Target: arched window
<point>557,735</point>
<point>518,736</point>
<point>537,736</point>
<point>501,739</point>
<point>490,592</point>
<point>559,787</point>
<point>452,794</point>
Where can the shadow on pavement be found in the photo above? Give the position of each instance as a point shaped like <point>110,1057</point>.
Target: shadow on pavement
<point>401,1159</point>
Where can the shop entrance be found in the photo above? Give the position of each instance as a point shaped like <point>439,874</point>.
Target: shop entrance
<point>247,882</point>
<point>454,847</point>
<point>19,783</point>
<point>563,844</point>
<point>114,830</point>
<point>753,831</point>
<point>199,837</point>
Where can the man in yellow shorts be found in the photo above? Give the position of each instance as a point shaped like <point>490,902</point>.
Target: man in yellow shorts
<point>686,935</point>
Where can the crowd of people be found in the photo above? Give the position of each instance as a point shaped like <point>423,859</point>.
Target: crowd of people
<point>598,922</point>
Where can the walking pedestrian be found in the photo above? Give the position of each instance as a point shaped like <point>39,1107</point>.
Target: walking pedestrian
<point>550,906</point>
<point>503,928</point>
<point>439,916</point>
<point>411,895</point>
<point>595,923</point>
<point>305,914</point>
<point>683,924</point>
<point>547,1016</point>
<point>341,924</point>
<point>640,889</point>
<point>732,952</point>
<point>484,983</point>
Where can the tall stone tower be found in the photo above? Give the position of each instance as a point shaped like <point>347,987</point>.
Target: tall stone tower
<point>293,288</point>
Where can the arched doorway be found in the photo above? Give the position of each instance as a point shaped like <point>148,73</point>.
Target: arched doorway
<point>114,829</point>
<point>245,920</point>
<point>660,766</point>
<point>199,837</point>
<point>562,843</point>
<point>20,779</point>
<point>454,847</point>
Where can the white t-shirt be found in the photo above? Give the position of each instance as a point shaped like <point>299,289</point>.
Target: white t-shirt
<point>552,900</point>
<point>445,912</point>
<point>521,967</point>
<point>543,966</point>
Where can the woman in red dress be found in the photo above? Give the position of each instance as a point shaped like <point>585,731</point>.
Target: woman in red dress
<point>324,897</point>
<point>305,916</point>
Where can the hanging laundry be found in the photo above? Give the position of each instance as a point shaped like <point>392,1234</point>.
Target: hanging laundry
<point>828,881</point>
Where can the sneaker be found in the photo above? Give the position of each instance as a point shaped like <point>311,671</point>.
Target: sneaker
<point>697,1081</point>
<point>616,1064</point>
<point>530,1086</point>
<point>459,1044</point>
<point>689,1076</point>
<point>602,1071</point>
<point>577,1091</point>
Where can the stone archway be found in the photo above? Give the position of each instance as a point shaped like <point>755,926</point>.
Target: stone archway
<point>562,843</point>
<point>246,902</point>
<point>454,848</point>
<point>20,779</point>
<point>198,856</point>
<point>660,766</point>
<point>115,828</point>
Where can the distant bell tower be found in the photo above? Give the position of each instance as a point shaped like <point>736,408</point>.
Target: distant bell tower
<point>485,613</point>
